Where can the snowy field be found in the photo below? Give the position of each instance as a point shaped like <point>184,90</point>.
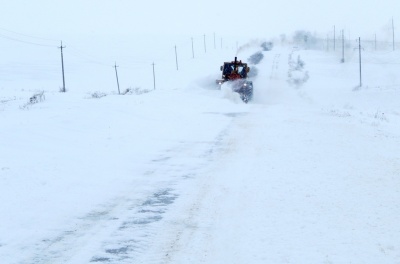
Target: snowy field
<point>308,172</point>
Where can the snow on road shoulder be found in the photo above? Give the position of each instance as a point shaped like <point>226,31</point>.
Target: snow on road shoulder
<point>292,183</point>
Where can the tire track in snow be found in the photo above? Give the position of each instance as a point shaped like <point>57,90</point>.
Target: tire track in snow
<point>275,66</point>
<point>122,230</point>
<point>186,226</point>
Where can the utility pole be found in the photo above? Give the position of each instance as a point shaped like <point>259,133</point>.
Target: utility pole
<point>205,48</point>
<point>176,58</point>
<point>342,45</point>
<point>62,66</point>
<point>327,42</point>
<point>154,77</point>
<point>214,42</point>
<point>192,49</point>
<point>334,38</point>
<point>116,74</point>
<point>359,55</point>
<point>393,33</point>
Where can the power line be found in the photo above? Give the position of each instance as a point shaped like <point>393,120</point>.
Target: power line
<point>25,35</point>
<point>26,42</point>
<point>91,59</point>
<point>127,60</point>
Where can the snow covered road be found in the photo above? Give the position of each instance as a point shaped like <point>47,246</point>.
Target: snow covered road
<point>307,173</point>
<point>281,194</point>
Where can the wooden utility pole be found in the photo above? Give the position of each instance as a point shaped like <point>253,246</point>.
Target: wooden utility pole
<point>359,55</point>
<point>154,77</point>
<point>116,75</point>
<point>205,48</point>
<point>342,45</point>
<point>176,58</point>
<point>327,42</point>
<point>62,66</point>
<point>393,33</point>
<point>334,38</point>
<point>192,49</point>
<point>214,42</point>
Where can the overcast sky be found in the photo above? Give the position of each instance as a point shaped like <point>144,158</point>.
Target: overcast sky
<point>249,18</point>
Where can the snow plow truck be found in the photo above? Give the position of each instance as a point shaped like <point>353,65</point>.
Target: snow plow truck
<point>236,72</point>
